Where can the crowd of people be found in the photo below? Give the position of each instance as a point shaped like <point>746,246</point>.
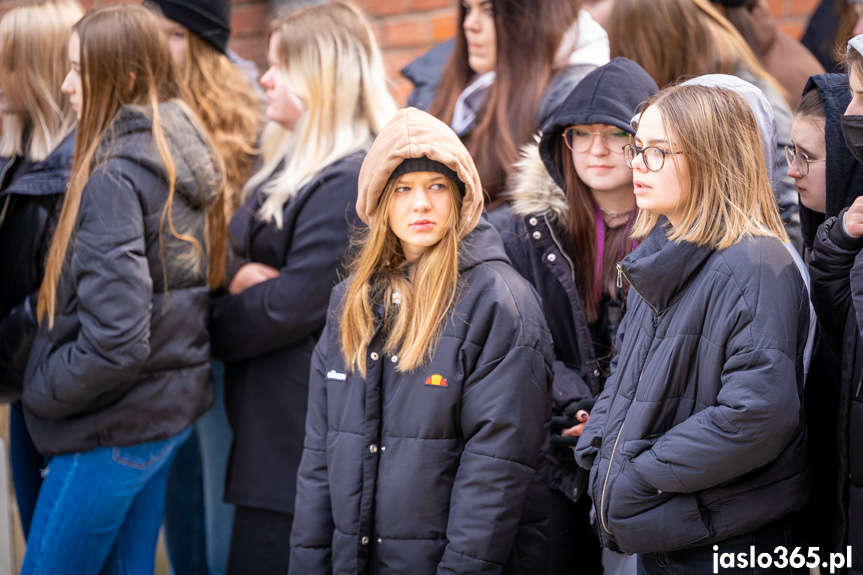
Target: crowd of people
<point>586,305</point>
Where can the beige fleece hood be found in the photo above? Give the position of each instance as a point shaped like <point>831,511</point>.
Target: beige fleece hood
<point>415,134</point>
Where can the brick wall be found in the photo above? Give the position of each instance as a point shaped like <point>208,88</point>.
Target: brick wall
<point>405,28</point>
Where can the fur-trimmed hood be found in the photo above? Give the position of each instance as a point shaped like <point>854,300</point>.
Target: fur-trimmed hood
<point>534,191</point>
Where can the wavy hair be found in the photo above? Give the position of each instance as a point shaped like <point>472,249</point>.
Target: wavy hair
<point>229,109</point>
<point>672,39</point>
<point>528,34</point>
<point>125,61</point>
<point>329,57</point>
<point>729,194</point>
<point>412,327</point>
<point>34,42</point>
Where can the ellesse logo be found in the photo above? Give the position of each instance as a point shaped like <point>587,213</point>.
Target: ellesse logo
<point>436,380</point>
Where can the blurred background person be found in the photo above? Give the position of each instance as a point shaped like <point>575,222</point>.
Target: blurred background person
<point>37,146</point>
<point>326,99</point>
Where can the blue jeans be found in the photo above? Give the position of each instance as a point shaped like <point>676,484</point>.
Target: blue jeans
<point>99,511</point>
<point>27,465</point>
<point>197,521</point>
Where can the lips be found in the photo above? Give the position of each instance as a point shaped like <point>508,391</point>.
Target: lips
<point>639,187</point>
<point>422,225</point>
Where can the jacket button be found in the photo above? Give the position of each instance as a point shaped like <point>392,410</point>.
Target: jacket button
<point>380,540</point>
<point>551,257</point>
<point>374,355</point>
<point>597,373</point>
<point>373,448</point>
<point>536,235</point>
<point>364,540</point>
<point>659,491</point>
<point>394,359</point>
<point>532,221</point>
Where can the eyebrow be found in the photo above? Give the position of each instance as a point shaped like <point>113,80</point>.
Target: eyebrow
<point>652,142</point>
<point>799,148</point>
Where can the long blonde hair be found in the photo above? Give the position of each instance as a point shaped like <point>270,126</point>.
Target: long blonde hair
<point>34,44</point>
<point>729,195</point>
<point>672,39</point>
<point>329,57</point>
<point>412,327</point>
<point>117,43</point>
<point>229,109</point>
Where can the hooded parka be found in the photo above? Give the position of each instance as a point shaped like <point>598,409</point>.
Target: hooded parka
<point>699,434</point>
<point>537,239</point>
<point>434,470</point>
<point>837,288</point>
<point>128,358</point>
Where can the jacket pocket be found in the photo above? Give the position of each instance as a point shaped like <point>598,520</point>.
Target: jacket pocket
<point>646,520</point>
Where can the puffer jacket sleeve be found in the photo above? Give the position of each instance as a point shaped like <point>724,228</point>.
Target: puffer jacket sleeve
<point>286,310</point>
<point>758,406</point>
<point>504,418</point>
<point>111,279</point>
<point>569,385</point>
<point>830,266</point>
<point>312,532</point>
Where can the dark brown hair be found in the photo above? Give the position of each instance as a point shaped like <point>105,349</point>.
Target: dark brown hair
<point>528,34</point>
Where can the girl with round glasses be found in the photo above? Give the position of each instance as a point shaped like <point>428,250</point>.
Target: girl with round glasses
<point>574,208</point>
<point>698,441</point>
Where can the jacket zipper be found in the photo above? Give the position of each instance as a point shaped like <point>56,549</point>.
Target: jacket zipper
<point>602,515</point>
<point>605,483</point>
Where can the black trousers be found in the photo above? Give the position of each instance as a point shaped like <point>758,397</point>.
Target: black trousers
<point>573,546</point>
<point>260,542</point>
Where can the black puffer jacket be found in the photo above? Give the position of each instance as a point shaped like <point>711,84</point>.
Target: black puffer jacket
<point>700,432</point>
<point>537,241</point>
<point>128,359</point>
<point>266,334</point>
<point>403,475</point>
<point>29,208</point>
<point>836,269</point>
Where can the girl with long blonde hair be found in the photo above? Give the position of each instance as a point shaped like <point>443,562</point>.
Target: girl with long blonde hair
<point>326,100</point>
<point>701,428</point>
<point>120,365</point>
<point>430,385</point>
<point>37,144</point>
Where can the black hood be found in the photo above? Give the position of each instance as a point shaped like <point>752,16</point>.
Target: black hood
<point>608,95</point>
<point>844,172</point>
<point>483,244</point>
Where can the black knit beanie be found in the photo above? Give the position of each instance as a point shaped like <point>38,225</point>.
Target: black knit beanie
<point>209,19</point>
<point>425,164</point>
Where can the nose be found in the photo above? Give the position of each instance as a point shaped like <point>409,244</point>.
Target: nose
<point>421,201</point>
<point>597,145</point>
<point>794,170</point>
<point>471,21</point>
<point>66,86</point>
<point>638,162</point>
<point>855,107</point>
<point>267,79</point>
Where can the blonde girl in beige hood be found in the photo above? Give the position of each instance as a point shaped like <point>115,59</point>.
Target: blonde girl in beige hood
<point>429,345</point>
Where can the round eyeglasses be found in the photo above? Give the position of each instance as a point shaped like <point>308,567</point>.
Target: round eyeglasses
<point>580,139</point>
<point>803,161</point>
<point>653,157</point>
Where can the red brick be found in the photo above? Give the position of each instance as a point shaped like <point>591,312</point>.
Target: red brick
<point>395,60</point>
<point>405,32</point>
<point>249,19</point>
<point>803,7</point>
<point>423,5</point>
<point>383,7</point>
<point>777,7</point>
<point>444,26</point>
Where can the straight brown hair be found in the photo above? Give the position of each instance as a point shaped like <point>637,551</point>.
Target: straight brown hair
<point>124,61</point>
<point>528,34</point>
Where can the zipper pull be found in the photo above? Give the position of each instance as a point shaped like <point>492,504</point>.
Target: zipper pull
<point>619,276</point>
